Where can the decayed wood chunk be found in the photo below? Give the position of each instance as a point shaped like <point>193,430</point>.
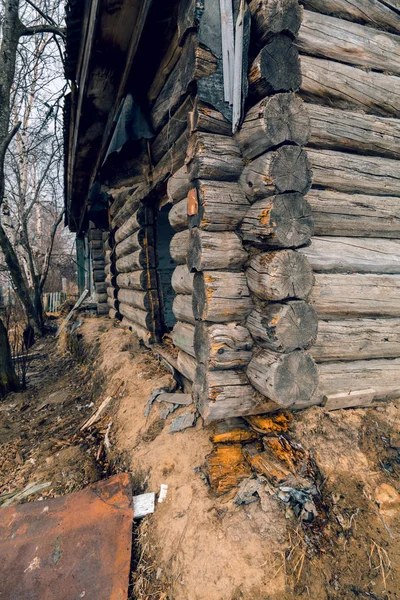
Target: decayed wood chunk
<point>226,467</point>
<point>279,422</point>
<point>232,430</point>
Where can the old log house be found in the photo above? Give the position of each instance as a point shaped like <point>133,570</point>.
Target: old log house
<point>232,170</point>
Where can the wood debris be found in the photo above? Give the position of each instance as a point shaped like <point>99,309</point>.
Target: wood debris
<point>226,468</point>
<point>183,422</point>
<point>274,423</point>
<point>232,430</point>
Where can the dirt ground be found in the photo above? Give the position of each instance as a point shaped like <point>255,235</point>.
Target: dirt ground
<point>199,545</point>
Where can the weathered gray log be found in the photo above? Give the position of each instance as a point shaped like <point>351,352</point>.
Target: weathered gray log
<point>344,86</point>
<point>113,302</point>
<point>282,221</point>
<point>214,251</point>
<point>284,327</point>
<point>214,157</point>
<point>171,131</point>
<point>178,217</point>
<point>130,223</point>
<point>111,292</point>
<point>107,257</point>
<point>136,261</point>
<point>138,316</point>
<point>101,287</point>
<point>145,300</point>
<point>183,309</point>
<point>143,334</point>
<point>341,214</point>
<point>171,161</point>
<point>270,17</point>
<point>100,274</point>
<point>119,197</point>
<point>98,255</point>
<point>220,297</point>
<point>276,68</point>
<point>353,255</point>
<point>357,339</point>
<point>183,337</point>
<point>221,394</point>
<point>140,239</point>
<point>371,12</point>
<point>283,170</point>
<point>195,62</point>
<point>178,185</point>
<point>344,295</point>
<point>182,280</point>
<point>179,246</point>
<point>381,375</point>
<point>280,275</point>
<point>329,37</point>
<point>348,130</point>
<point>273,121</point>
<point>138,280</point>
<point>110,280</point>
<point>102,298</point>
<point>205,118</point>
<point>226,346</point>
<point>222,206</point>
<point>102,309</point>
<point>186,365</point>
<point>351,173</point>
<point>113,313</point>
<point>284,378</point>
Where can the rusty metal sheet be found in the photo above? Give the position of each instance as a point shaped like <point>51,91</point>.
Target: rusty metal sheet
<point>68,548</point>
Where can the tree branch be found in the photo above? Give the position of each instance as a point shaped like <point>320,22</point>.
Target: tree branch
<point>46,264</point>
<point>41,13</point>
<point>61,31</point>
<point>7,140</point>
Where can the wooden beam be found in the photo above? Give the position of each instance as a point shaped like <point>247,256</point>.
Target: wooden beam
<point>336,39</point>
<point>338,296</point>
<point>220,297</point>
<point>353,255</point>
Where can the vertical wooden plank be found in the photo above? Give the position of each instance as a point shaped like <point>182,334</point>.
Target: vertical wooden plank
<point>238,70</point>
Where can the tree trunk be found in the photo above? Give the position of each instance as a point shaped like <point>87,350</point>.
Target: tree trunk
<point>8,379</point>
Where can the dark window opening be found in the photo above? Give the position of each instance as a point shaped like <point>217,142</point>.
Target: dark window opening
<point>165,268</point>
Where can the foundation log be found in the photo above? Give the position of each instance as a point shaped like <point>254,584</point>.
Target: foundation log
<point>284,327</point>
<point>355,215</point>
<point>215,157</point>
<point>221,394</point>
<point>357,339</point>
<point>273,121</point>
<point>343,295</point>
<point>186,365</point>
<point>270,17</point>
<point>370,12</point>
<point>329,37</point>
<point>284,378</point>
<point>279,275</point>
<point>179,247</point>
<point>182,280</point>
<point>282,221</point>
<point>353,255</point>
<point>138,316</point>
<point>143,334</point>
<point>222,346</point>
<point>183,337</point>
<point>138,280</point>
<point>214,251</point>
<point>222,206</point>
<point>283,170</point>
<point>345,86</point>
<point>221,297</point>
<point>383,376</point>
<point>276,68</point>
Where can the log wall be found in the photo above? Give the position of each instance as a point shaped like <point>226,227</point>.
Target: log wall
<point>349,60</point>
<point>286,233</point>
<point>99,267</point>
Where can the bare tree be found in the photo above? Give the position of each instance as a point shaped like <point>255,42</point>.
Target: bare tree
<point>30,145</point>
